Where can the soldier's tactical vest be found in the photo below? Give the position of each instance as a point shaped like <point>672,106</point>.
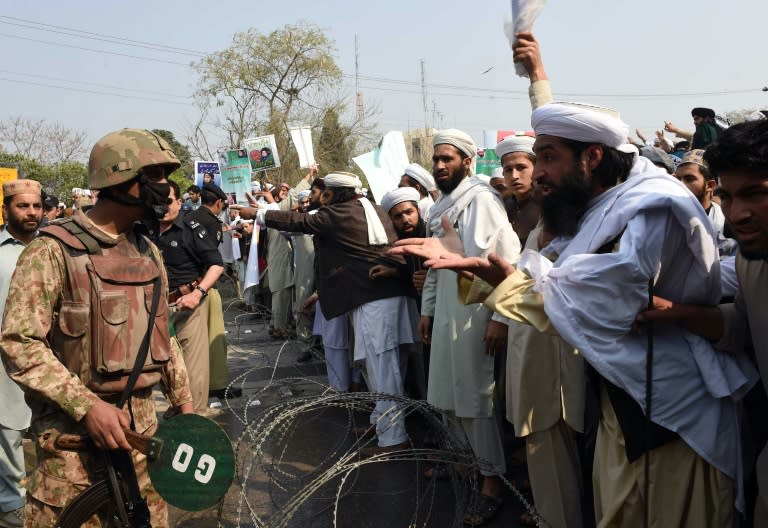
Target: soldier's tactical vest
<point>104,311</point>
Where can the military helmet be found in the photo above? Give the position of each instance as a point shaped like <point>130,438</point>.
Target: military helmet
<point>120,155</point>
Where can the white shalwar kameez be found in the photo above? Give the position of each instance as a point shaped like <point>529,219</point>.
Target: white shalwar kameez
<point>335,334</point>
<point>381,327</point>
<point>461,376</point>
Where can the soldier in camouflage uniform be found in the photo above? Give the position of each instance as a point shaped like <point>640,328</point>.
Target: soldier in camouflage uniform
<point>77,310</point>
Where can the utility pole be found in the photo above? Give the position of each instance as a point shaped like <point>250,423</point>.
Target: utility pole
<point>358,95</point>
<point>424,97</point>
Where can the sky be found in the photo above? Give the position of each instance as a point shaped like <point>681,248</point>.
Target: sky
<point>652,61</point>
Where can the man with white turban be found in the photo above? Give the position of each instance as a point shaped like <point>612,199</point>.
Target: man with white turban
<point>544,374</point>
<point>612,244</point>
<point>461,369</point>
<point>420,179</point>
<point>352,236</point>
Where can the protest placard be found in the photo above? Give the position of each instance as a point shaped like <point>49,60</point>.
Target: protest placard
<point>207,171</point>
<point>235,171</point>
<point>262,152</point>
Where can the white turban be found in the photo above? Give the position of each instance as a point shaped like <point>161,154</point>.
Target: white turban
<point>421,175</point>
<point>303,194</point>
<point>498,174</point>
<point>398,196</point>
<point>343,179</point>
<point>456,138</point>
<point>580,122</point>
<point>511,144</point>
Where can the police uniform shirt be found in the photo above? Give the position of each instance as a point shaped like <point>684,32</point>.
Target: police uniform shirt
<point>190,247</point>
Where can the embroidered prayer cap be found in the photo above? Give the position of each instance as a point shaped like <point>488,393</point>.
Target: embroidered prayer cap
<point>457,138</point>
<point>24,186</point>
<point>497,174</point>
<point>515,143</point>
<point>421,175</point>
<point>696,157</point>
<point>580,122</point>
<point>398,196</point>
<point>343,179</point>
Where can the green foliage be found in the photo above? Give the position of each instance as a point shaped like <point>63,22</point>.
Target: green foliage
<point>57,179</point>
<point>263,82</point>
<point>334,146</point>
<point>184,175</point>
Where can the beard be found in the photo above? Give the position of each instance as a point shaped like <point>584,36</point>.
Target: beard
<point>419,230</point>
<point>447,186</point>
<point>562,208</point>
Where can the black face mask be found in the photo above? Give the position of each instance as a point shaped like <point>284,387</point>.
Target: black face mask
<point>154,198</point>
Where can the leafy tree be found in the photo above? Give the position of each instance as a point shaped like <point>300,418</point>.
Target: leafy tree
<point>57,179</point>
<point>334,146</point>
<point>184,175</point>
<point>261,84</point>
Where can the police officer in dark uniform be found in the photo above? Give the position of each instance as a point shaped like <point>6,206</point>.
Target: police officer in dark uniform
<point>190,246</point>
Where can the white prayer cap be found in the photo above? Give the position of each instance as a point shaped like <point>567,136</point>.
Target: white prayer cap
<point>497,174</point>
<point>421,175</point>
<point>580,122</point>
<point>343,179</point>
<point>399,195</point>
<point>457,138</point>
<point>515,143</point>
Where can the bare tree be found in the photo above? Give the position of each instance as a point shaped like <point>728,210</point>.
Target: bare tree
<point>42,141</point>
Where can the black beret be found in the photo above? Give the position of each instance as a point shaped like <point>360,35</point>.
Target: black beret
<point>215,189</point>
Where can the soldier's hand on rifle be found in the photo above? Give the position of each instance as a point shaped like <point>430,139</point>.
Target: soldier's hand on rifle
<point>105,424</point>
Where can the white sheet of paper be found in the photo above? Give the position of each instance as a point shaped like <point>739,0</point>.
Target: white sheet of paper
<point>302,140</point>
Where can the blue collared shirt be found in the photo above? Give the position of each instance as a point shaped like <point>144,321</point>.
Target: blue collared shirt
<point>10,249</point>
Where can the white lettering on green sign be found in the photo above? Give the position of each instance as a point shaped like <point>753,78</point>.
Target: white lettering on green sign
<point>205,465</point>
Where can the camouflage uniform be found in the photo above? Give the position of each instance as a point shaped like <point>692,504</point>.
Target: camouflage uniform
<point>61,389</point>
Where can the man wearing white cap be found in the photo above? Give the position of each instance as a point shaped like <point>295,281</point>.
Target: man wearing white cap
<point>420,179</point>
<point>352,237</point>
<point>461,369</point>
<point>612,244</point>
<point>402,205</point>
<point>22,214</point>
<point>516,155</point>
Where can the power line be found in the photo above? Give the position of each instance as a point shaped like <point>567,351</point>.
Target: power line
<point>110,86</point>
<point>31,24</point>
<point>97,92</point>
<point>565,94</point>
<point>61,44</point>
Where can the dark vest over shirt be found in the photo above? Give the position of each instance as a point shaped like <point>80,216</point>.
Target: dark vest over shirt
<point>344,255</point>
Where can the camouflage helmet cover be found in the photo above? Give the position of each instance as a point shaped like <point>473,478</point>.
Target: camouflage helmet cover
<point>119,156</point>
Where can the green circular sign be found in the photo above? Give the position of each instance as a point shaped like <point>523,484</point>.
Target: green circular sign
<point>193,464</point>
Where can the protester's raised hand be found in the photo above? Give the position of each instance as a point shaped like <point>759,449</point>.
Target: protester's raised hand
<point>492,270</point>
<point>526,52</point>
<point>669,127</point>
<point>432,248</point>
